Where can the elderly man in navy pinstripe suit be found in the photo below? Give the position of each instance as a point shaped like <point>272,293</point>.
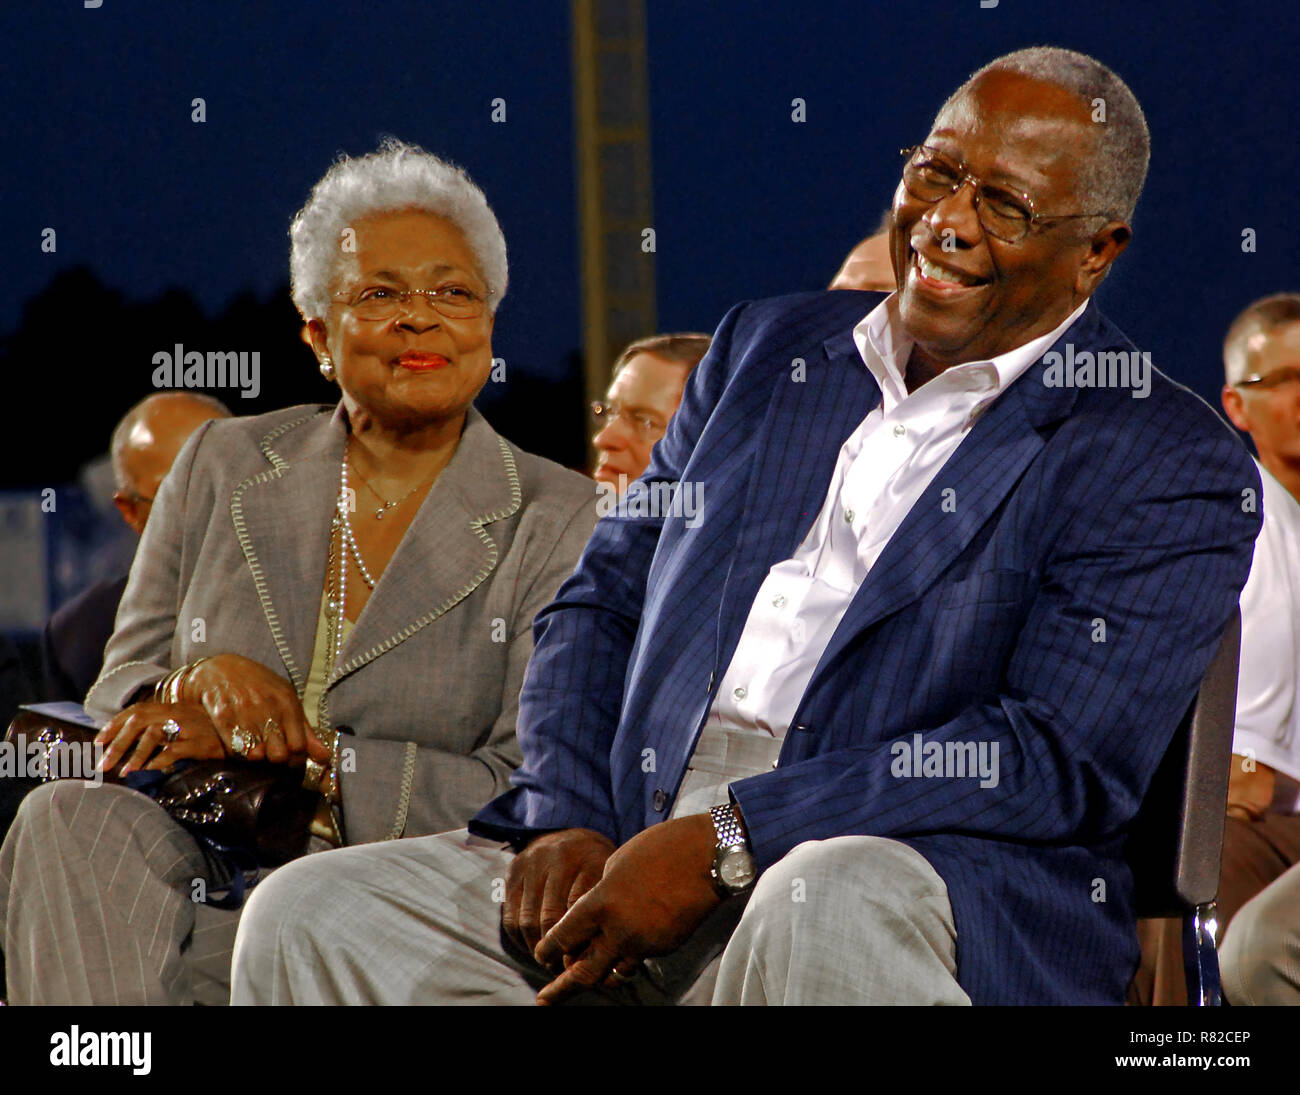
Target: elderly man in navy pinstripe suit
<point>871,724</point>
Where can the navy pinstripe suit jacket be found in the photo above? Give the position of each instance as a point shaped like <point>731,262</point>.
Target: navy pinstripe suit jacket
<point>1072,510</point>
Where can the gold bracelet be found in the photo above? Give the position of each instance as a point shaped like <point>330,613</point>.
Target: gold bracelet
<point>169,689</point>
<point>183,678</point>
<point>161,689</point>
<point>175,685</point>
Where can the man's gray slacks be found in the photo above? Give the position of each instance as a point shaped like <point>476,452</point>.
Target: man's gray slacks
<point>854,919</point>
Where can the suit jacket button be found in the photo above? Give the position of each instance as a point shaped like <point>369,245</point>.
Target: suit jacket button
<point>659,801</point>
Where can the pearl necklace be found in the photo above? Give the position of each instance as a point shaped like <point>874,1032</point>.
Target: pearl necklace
<point>336,601</point>
<point>348,536</point>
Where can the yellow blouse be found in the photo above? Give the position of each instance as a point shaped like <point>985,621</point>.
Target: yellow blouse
<point>319,672</point>
<point>323,826</point>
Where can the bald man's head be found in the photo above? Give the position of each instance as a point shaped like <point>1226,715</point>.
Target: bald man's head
<point>147,441</point>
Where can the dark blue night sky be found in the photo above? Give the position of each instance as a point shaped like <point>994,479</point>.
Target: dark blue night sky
<point>100,145</point>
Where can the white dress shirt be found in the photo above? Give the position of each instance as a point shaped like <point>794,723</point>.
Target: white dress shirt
<point>1268,707</point>
<point>883,468</point>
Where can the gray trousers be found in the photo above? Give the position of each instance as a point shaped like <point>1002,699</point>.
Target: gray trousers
<point>851,920</point>
<point>1260,957</point>
<point>98,891</point>
<point>854,919</point>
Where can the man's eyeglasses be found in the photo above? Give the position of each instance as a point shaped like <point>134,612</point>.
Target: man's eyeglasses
<point>1005,214</point>
<point>645,427</point>
<point>384,302</point>
<point>1271,382</point>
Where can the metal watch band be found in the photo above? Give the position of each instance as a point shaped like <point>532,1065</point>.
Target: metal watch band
<point>730,834</point>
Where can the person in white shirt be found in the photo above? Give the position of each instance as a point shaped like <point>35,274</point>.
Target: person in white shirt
<point>883,468</point>
<point>1259,889</point>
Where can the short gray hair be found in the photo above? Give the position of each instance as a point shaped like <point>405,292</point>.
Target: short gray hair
<point>1112,178</point>
<point>1261,318</point>
<point>396,176</point>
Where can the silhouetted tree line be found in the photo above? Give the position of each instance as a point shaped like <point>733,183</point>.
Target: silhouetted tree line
<point>90,351</point>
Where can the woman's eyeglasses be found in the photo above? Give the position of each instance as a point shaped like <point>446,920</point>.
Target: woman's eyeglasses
<point>384,302</point>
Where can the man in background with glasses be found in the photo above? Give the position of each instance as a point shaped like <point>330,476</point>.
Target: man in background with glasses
<point>1261,841</point>
<point>648,380</point>
<point>873,728</point>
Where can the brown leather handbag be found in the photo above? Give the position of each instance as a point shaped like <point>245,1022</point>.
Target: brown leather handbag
<point>250,809</point>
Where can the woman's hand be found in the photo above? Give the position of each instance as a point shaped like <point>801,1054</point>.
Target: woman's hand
<point>140,734</point>
<point>239,693</point>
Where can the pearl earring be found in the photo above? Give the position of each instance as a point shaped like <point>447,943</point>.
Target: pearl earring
<point>327,369</point>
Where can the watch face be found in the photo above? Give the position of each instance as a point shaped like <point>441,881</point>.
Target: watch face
<point>736,869</point>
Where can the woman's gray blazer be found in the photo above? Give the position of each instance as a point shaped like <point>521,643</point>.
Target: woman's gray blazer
<point>233,559</point>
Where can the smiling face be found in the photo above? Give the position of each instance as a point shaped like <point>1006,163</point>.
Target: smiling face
<point>418,367</point>
<point>980,296</point>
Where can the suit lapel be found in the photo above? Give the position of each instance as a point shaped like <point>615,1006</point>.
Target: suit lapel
<point>805,425</point>
<point>981,472</point>
<point>282,519</point>
<point>446,553</point>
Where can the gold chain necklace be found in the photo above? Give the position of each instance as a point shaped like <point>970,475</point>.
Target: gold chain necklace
<point>387,505</point>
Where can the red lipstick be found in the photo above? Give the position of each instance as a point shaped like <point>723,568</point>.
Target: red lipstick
<point>418,361</point>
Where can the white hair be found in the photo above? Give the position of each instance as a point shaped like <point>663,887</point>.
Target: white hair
<point>397,176</point>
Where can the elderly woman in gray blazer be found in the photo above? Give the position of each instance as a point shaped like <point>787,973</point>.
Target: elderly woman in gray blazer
<point>350,589</point>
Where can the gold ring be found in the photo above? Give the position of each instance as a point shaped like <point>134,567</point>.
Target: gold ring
<point>271,727</point>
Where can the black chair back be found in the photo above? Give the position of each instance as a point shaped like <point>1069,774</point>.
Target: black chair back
<point>1176,841</point>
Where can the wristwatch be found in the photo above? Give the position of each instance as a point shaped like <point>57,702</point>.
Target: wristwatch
<point>733,864</point>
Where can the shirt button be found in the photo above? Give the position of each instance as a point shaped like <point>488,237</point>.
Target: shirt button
<point>899,430</point>
<point>848,517</point>
<point>778,601</point>
<point>659,800</point>
<point>739,693</point>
